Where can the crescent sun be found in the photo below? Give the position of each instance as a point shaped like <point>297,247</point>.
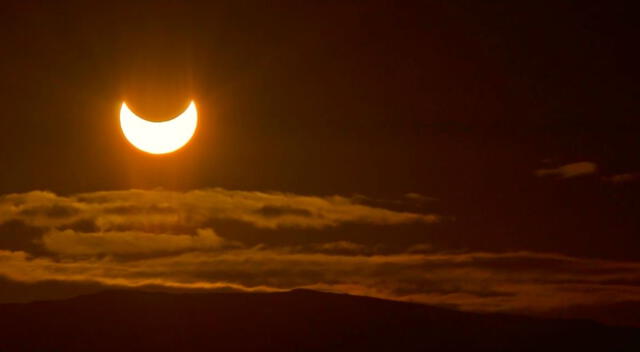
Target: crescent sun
<point>159,137</point>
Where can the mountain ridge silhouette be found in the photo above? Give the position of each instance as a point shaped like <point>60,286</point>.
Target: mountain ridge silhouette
<point>297,320</point>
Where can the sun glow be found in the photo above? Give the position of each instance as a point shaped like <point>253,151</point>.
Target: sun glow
<point>159,137</point>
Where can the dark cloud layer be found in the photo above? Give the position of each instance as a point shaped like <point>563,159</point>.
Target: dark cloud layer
<point>470,281</point>
<point>111,239</point>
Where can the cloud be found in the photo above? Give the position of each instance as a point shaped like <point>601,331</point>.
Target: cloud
<point>113,210</point>
<point>513,282</point>
<point>570,170</point>
<point>71,243</point>
<point>340,247</point>
<point>16,235</point>
<point>417,197</point>
<point>420,248</point>
<point>115,239</point>
<point>622,178</point>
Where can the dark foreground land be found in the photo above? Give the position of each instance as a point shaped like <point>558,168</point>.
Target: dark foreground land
<point>299,320</point>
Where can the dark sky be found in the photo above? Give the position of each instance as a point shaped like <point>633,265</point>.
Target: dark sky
<point>516,121</point>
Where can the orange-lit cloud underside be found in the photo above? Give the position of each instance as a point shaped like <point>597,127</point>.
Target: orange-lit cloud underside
<point>138,238</point>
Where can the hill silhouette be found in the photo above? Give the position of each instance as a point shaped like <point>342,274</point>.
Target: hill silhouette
<point>298,320</point>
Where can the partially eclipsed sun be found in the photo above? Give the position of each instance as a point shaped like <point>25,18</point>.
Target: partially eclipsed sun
<point>159,137</point>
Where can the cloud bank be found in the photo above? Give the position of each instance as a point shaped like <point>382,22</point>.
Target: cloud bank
<point>113,239</point>
<point>521,282</point>
<point>140,208</point>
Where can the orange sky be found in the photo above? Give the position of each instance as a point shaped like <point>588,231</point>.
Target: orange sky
<point>473,155</point>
